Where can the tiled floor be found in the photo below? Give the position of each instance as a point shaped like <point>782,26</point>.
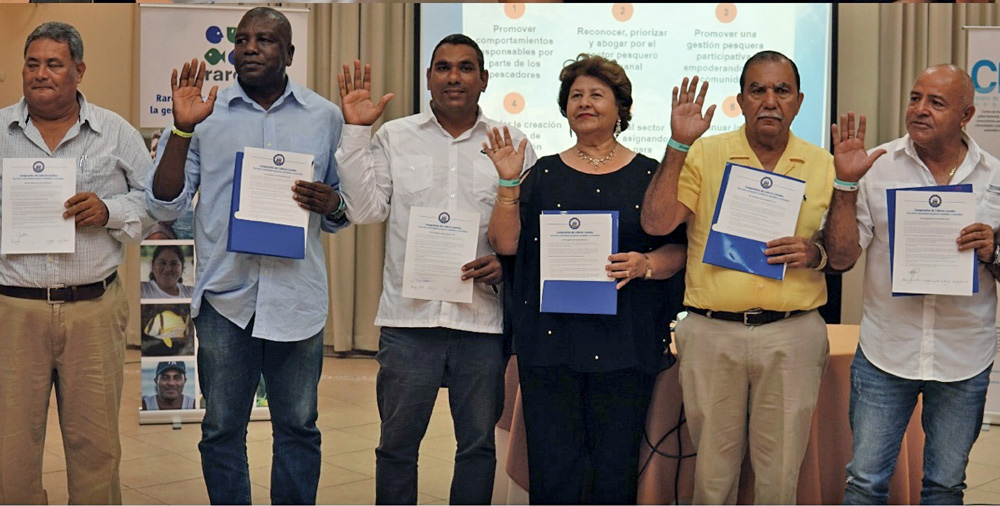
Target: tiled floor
<point>162,466</point>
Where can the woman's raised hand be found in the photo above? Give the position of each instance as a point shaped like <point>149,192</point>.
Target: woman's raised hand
<point>508,160</point>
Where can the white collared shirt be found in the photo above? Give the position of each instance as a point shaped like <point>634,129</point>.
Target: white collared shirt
<point>414,162</point>
<point>925,337</point>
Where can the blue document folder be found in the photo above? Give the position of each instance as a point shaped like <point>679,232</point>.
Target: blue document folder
<point>583,297</point>
<point>890,198</point>
<point>735,252</point>
<point>259,238</point>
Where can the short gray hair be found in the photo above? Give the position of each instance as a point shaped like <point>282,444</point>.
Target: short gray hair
<point>59,32</point>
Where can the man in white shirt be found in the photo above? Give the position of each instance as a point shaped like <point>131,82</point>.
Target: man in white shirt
<point>939,346</point>
<point>432,159</point>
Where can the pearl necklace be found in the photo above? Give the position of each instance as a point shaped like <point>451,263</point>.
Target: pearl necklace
<point>597,162</point>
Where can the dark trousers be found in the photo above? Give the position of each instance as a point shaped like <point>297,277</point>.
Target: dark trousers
<point>584,432</point>
<point>414,363</point>
<point>230,364</point>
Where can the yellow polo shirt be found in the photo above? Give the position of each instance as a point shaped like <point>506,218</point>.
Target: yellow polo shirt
<point>720,289</point>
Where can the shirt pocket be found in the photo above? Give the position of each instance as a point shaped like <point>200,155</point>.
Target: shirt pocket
<point>412,178</point>
<point>484,180</point>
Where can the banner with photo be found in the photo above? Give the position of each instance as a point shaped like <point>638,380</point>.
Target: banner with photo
<point>984,67</point>
<point>169,373</point>
<point>170,35</point>
<point>170,392</point>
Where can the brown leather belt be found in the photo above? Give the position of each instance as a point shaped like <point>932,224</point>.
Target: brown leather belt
<point>59,294</point>
<point>751,317</point>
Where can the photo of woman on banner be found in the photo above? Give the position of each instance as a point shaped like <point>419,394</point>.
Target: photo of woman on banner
<point>166,269</point>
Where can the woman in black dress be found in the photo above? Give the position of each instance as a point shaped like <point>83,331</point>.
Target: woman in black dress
<point>586,379</point>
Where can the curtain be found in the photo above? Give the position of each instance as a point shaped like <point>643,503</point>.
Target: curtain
<point>913,37</point>
<point>355,256</point>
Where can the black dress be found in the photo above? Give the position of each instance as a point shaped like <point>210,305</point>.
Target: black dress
<point>586,380</point>
<point>634,338</point>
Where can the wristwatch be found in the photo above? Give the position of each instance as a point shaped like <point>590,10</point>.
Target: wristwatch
<point>996,256</point>
<point>649,267</point>
<point>338,214</point>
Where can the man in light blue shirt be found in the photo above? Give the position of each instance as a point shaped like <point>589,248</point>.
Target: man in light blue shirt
<point>254,314</point>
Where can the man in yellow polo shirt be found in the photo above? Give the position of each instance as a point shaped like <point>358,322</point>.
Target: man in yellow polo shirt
<point>753,349</point>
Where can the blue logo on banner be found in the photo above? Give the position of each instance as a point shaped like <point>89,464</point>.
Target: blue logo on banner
<point>444,218</point>
<point>574,223</point>
<point>985,82</point>
<point>38,166</point>
<point>934,201</point>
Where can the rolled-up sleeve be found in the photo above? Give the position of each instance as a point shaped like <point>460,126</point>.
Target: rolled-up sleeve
<point>167,210</point>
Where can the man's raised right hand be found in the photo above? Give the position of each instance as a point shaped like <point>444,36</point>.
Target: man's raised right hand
<point>356,96</point>
<point>687,123</point>
<point>189,107</point>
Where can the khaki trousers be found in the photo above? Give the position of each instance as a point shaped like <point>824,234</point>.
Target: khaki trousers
<point>755,385</point>
<point>80,348</point>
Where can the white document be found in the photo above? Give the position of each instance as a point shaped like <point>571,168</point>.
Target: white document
<point>926,259</point>
<point>575,246</point>
<point>438,243</point>
<point>266,186</point>
<point>759,205</point>
<point>34,196</point>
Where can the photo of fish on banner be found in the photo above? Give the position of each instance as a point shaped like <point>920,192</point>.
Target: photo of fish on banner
<point>167,330</point>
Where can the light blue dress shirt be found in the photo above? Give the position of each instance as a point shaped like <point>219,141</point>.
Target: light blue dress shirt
<point>287,298</point>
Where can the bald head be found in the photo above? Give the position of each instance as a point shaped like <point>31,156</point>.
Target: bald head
<point>942,102</point>
<point>962,82</point>
<point>281,24</point>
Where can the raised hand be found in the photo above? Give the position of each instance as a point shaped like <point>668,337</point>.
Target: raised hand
<point>507,159</point>
<point>356,97</point>
<point>687,123</point>
<point>850,159</point>
<point>189,107</point>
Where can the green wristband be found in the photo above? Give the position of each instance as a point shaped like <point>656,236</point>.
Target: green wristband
<point>510,183</point>
<point>678,146</point>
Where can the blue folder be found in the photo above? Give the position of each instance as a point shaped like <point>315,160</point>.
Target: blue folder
<point>583,297</point>
<point>735,252</point>
<point>890,198</point>
<point>259,238</point>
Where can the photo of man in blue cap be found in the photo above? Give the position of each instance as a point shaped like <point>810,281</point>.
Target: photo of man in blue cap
<point>169,380</point>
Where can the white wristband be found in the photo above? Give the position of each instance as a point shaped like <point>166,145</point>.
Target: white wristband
<point>844,186</point>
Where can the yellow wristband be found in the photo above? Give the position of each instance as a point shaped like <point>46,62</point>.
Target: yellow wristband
<point>180,133</point>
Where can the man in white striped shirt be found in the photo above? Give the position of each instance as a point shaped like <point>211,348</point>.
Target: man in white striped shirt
<point>64,315</point>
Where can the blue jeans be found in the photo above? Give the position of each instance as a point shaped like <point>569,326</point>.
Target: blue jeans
<point>413,364</point>
<point>230,364</point>
<point>880,409</point>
